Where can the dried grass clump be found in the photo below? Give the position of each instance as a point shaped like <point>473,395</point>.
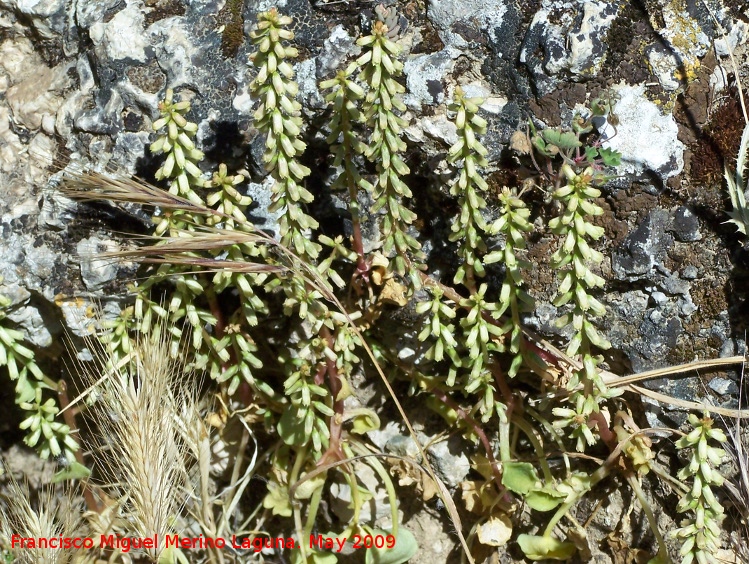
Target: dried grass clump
<point>53,516</point>
<point>141,453</point>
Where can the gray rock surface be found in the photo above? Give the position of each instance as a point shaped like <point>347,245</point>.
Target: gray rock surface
<point>424,75</point>
<point>80,82</point>
<point>46,18</point>
<point>564,38</point>
<point>686,226</point>
<point>647,138</point>
<point>461,22</point>
<point>449,462</point>
<point>644,248</point>
<point>97,269</point>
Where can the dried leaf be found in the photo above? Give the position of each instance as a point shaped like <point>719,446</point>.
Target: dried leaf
<point>495,531</point>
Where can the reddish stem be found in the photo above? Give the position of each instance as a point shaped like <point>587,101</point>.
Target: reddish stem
<point>334,452</point>
<point>452,404</point>
<point>504,389</point>
<point>607,435</point>
<point>215,308</point>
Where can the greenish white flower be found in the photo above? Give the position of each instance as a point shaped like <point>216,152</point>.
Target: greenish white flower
<point>700,534</point>
<point>279,117</point>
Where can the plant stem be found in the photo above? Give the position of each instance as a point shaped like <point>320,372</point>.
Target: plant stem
<point>537,446</point>
<point>334,451</point>
<point>387,482</point>
<point>662,548</point>
<point>301,456</point>
<point>452,404</point>
<point>62,391</point>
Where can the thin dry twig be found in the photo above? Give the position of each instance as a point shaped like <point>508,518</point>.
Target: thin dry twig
<point>627,382</point>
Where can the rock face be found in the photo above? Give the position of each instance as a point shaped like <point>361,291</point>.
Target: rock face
<point>646,138</point>
<point>644,248</point>
<point>562,42</point>
<point>80,83</point>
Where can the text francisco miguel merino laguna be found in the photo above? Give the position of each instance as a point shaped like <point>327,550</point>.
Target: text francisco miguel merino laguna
<point>125,544</point>
<point>258,543</point>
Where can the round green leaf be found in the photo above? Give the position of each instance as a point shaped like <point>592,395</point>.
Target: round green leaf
<point>545,548</point>
<point>405,547</point>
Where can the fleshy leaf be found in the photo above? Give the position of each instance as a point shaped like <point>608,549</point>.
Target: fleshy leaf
<point>519,477</point>
<point>291,428</point>
<point>308,487</point>
<point>74,471</point>
<point>365,421</point>
<point>314,556</point>
<point>544,499</point>
<point>545,548</point>
<point>562,139</point>
<point>277,500</point>
<point>405,547</point>
<point>591,153</point>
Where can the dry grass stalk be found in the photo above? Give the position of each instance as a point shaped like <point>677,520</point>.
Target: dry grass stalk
<point>141,452</point>
<point>93,186</point>
<point>56,516</point>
